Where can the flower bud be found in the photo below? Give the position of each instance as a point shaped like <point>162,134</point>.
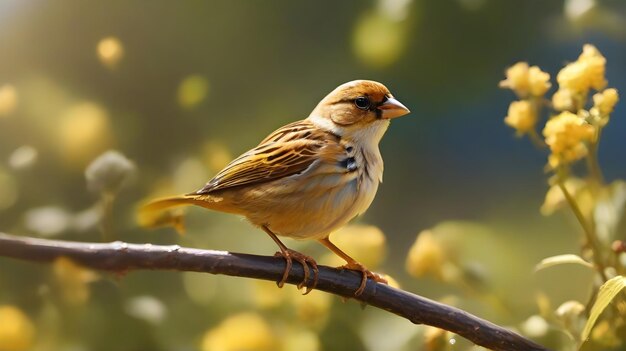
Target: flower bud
<point>109,172</point>
<point>522,116</point>
<point>605,101</point>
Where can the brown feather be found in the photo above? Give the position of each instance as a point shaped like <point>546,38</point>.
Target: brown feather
<point>287,151</point>
<point>151,214</point>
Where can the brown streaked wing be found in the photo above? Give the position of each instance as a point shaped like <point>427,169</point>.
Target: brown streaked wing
<point>287,151</point>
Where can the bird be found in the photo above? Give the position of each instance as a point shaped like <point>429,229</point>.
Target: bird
<point>307,178</point>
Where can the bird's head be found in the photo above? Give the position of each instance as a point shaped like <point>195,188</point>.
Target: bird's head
<point>357,105</point>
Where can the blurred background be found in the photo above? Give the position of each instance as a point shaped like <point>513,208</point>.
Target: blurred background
<point>180,88</point>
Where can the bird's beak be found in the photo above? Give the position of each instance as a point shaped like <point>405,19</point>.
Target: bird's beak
<point>393,108</point>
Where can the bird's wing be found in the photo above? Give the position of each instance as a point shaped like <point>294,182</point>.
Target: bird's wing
<point>287,151</point>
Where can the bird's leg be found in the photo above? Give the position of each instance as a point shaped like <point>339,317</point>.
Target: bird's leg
<point>291,255</point>
<point>353,265</point>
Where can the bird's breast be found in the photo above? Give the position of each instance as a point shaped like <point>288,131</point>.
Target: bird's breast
<point>319,200</point>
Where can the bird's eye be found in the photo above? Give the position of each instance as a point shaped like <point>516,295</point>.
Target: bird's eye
<point>362,102</point>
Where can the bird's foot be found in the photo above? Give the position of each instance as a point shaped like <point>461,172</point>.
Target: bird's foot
<point>366,273</point>
<point>290,256</point>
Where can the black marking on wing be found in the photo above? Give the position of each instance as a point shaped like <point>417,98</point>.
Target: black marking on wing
<point>349,164</point>
<point>366,170</point>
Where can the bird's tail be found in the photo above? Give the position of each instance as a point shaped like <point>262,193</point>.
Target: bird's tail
<point>168,212</point>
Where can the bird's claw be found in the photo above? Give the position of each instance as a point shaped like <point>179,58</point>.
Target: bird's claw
<point>305,261</point>
<point>366,273</point>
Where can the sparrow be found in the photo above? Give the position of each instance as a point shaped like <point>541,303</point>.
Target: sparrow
<point>308,178</point>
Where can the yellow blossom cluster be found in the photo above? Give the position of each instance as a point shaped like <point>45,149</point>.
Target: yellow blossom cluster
<point>522,116</point>
<point>604,102</point>
<point>585,73</point>
<point>577,78</point>
<point>570,132</point>
<point>530,84</point>
<point>525,80</point>
<point>563,100</point>
<point>566,135</point>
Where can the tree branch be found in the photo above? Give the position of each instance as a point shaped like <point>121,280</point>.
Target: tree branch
<point>120,256</point>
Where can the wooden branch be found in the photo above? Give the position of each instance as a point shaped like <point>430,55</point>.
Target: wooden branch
<point>120,256</point>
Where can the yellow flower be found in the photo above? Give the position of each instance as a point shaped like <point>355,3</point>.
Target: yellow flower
<point>563,100</point>
<point>244,331</point>
<point>585,73</point>
<point>605,101</point>
<point>538,81</point>
<point>524,80</point>
<point>426,256</point>
<point>522,116</point>
<point>574,77</point>
<point>16,329</point>
<point>595,66</point>
<point>73,280</point>
<point>517,78</point>
<point>565,135</point>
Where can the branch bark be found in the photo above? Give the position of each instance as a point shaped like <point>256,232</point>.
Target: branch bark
<point>120,256</point>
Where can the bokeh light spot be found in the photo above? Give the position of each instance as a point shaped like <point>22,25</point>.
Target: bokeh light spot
<point>364,243</point>
<point>216,155</point>
<point>148,308</point>
<point>192,91</point>
<point>378,39</point>
<point>9,193</point>
<point>8,100</point>
<point>23,157</point>
<point>47,221</point>
<point>73,280</point>
<point>228,336</point>
<point>190,174</point>
<point>17,332</point>
<point>84,132</point>
<point>110,51</point>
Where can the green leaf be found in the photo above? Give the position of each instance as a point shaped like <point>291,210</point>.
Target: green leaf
<point>606,294</point>
<point>562,259</point>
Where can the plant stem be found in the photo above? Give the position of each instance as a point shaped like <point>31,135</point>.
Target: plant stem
<point>592,159</point>
<point>537,104</point>
<point>589,231</point>
<point>107,216</point>
<point>536,140</point>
